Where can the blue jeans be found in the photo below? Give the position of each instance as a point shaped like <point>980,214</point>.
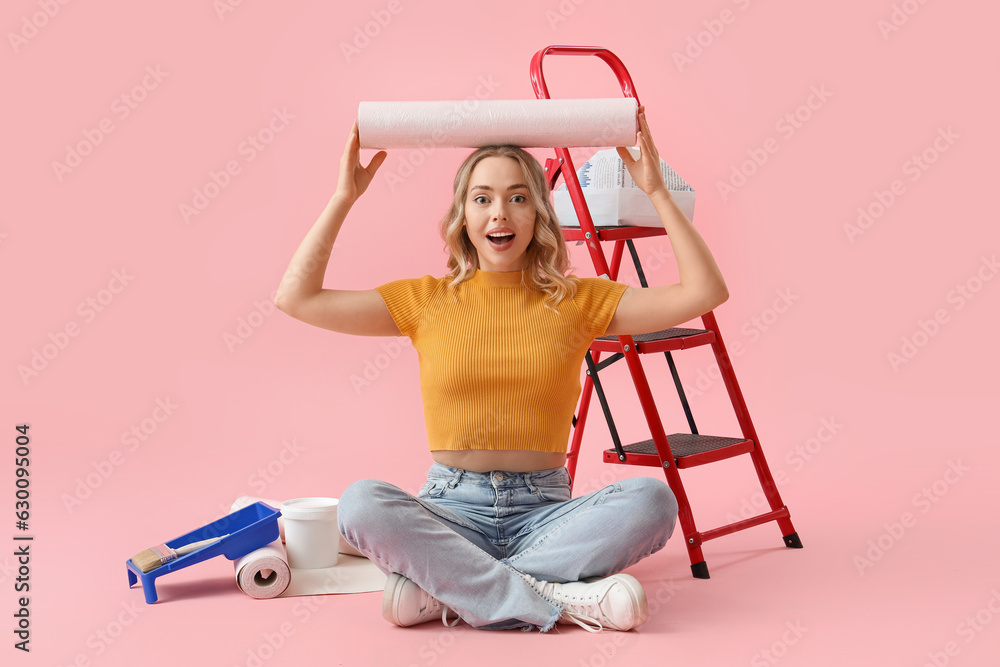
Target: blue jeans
<point>465,536</point>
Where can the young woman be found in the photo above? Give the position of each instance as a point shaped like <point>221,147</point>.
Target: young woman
<point>494,536</point>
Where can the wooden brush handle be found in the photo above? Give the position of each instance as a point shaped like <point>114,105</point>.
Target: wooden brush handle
<point>194,546</point>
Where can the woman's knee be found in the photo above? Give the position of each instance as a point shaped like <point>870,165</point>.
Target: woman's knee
<point>658,502</point>
<point>360,501</point>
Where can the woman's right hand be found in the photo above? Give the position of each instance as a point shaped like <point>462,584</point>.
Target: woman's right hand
<point>354,179</point>
<point>645,171</point>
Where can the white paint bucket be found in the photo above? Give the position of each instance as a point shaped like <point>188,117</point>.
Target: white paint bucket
<point>312,539</point>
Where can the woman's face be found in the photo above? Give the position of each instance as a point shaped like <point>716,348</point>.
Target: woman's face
<point>499,215</point>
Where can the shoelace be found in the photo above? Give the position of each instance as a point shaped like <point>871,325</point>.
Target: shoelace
<point>444,611</point>
<point>434,602</point>
<point>444,617</point>
<point>588,621</point>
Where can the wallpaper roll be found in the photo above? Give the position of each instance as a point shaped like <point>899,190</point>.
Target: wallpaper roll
<point>475,123</point>
<point>264,573</point>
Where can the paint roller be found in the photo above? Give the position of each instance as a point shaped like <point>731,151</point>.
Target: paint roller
<point>542,123</point>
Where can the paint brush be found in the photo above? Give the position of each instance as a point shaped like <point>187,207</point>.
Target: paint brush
<point>154,557</point>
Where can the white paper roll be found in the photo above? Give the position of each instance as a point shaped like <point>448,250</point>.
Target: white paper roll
<point>264,573</point>
<point>475,123</point>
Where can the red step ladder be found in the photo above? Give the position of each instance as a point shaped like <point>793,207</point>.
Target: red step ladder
<point>671,452</point>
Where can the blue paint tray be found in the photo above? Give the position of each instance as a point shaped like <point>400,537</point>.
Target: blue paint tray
<point>246,530</point>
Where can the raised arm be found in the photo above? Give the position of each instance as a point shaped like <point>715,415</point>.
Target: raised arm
<point>701,287</point>
<point>301,293</point>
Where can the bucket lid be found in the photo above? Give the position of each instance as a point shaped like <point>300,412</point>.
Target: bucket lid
<point>316,509</point>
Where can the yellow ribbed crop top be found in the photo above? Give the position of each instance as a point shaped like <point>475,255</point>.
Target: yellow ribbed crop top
<point>498,369</point>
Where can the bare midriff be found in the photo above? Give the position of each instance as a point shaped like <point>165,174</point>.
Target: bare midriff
<point>485,460</point>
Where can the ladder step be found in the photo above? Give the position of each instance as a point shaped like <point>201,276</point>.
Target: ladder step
<point>689,450</point>
<point>658,341</point>
<point>612,232</point>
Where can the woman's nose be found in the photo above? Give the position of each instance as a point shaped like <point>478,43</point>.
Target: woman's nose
<point>499,212</point>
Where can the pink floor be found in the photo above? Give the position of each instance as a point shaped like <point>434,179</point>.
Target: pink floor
<point>865,590</point>
<point>165,162</point>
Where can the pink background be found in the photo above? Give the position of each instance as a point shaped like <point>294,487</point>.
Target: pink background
<point>192,287</point>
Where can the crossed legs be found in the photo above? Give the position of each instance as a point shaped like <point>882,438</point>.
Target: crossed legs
<point>451,556</point>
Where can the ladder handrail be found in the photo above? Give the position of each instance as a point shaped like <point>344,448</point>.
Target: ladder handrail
<point>616,65</point>
<point>565,162</point>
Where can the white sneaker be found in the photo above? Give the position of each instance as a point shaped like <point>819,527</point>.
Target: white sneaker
<point>617,602</point>
<point>405,604</point>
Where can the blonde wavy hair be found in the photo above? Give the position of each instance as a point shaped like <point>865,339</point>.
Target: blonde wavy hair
<point>547,256</point>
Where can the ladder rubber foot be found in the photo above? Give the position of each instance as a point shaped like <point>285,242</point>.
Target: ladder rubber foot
<point>700,570</point>
<point>792,541</point>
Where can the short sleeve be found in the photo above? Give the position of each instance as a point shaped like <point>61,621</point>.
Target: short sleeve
<point>406,300</point>
<point>597,299</point>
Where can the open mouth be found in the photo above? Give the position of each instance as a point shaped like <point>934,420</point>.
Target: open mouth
<point>501,241</point>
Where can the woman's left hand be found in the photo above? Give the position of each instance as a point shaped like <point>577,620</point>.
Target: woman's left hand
<point>646,170</point>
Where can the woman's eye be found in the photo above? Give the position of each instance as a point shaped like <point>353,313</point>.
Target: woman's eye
<point>519,199</point>
<point>481,199</point>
